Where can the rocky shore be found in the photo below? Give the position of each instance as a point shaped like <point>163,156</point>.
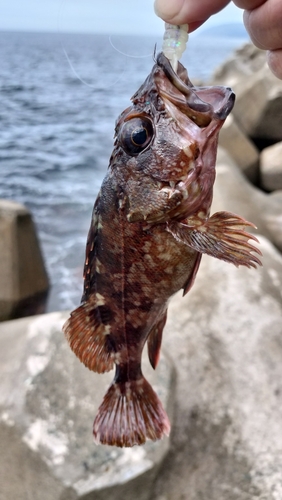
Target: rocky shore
<point>221,371</point>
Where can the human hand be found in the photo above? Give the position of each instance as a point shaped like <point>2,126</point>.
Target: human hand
<point>262,18</point>
<point>192,12</point>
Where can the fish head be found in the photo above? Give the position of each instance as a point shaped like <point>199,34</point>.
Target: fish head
<point>168,138</point>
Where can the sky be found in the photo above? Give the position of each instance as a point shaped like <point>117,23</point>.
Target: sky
<point>92,16</point>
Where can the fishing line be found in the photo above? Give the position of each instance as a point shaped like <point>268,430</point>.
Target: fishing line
<point>75,72</point>
<point>128,55</point>
<point>60,16</point>
<point>121,74</point>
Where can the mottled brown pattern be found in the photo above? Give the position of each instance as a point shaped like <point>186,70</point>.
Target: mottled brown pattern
<point>150,226</point>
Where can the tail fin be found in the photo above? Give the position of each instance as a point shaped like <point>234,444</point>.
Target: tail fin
<point>87,332</point>
<point>130,413</point>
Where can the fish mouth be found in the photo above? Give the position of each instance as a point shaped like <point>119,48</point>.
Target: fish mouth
<point>179,186</point>
<point>201,104</point>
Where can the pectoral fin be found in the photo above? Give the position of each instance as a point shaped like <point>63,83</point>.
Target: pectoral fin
<point>155,340</point>
<point>222,236</point>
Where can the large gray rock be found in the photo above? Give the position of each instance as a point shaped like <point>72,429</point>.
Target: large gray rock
<point>273,217</point>
<point>226,441</point>
<point>240,148</point>
<point>258,108</point>
<point>245,61</point>
<point>271,167</point>
<point>48,401</point>
<point>234,193</point>
<point>23,279</point>
<point>226,339</point>
<point>266,95</point>
<point>251,102</point>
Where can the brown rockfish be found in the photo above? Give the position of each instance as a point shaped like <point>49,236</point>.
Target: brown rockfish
<point>149,229</point>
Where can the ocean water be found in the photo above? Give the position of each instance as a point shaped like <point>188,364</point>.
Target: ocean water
<point>60,97</point>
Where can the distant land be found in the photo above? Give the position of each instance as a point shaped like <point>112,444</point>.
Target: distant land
<point>232,30</point>
<point>228,30</point>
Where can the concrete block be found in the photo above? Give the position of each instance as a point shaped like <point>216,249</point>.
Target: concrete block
<point>240,148</point>
<point>23,279</point>
<point>48,401</point>
<point>271,167</point>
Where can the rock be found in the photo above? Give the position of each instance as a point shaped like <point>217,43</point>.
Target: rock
<point>225,340</point>
<point>240,148</point>
<point>251,101</point>
<point>272,217</point>
<point>23,279</point>
<point>48,401</point>
<point>269,123</point>
<point>245,61</point>
<point>258,107</point>
<point>271,167</point>
<point>226,337</point>
<point>234,193</point>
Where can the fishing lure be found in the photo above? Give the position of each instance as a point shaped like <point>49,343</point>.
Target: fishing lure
<point>174,42</point>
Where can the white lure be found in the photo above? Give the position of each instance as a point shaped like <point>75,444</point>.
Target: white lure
<point>174,42</point>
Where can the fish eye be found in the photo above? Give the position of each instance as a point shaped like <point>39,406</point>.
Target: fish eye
<point>136,135</point>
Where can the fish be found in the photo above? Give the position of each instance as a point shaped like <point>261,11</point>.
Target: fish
<point>150,226</point>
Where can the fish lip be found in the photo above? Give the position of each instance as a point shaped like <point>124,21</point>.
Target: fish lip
<point>197,109</point>
<point>228,106</point>
<point>203,104</point>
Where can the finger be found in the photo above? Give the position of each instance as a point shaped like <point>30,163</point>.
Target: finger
<point>249,4</point>
<point>194,26</point>
<point>274,59</point>
<point>264,25</point>
<point>188,11</point>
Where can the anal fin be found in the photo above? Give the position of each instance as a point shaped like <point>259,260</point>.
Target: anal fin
<point>154,341</point>
<point>190,282</point>
<point>88,336</point>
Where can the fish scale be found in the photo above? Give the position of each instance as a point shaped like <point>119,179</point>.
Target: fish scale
<point>151,224</point>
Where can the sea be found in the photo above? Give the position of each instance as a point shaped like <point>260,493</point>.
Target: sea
<point>60,95</point>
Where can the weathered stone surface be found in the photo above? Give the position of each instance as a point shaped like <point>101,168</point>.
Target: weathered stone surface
<point>271,167</point>
<point>48,401</point>
<point>233,192</point>
<point>226,336</point>
<point>269,123</point>
<point>240,148</point>
<point>23,279</point>
<point>245,61</point>
<point>272,217</point>
<point>226,441</point>
<point>258,108</point>
<point>251,101</point>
